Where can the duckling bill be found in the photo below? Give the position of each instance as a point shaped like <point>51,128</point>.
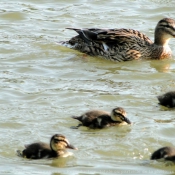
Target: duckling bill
<point>101,119</point>
<point>167,99</point>
<point>39,150</point>
<point>166,153</point>
<point>124,44</point>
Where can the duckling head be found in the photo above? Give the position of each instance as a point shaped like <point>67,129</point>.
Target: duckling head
<point>59,143</point>
<point>119,115</point>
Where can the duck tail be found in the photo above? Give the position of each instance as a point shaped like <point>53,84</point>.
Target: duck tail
<point>19,153</point>
<point>159,98</point>
<point>75,117</point>
<point>75,29</point>
<point>85,34</point>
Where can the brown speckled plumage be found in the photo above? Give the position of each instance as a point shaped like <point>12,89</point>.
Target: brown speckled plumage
<point>124,44</point>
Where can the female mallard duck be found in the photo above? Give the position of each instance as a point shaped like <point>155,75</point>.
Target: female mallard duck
<point>167,99</point>
<point>167,153</point>
<point>124,44</point>
<point>101,119</point>
<point>57,148</point>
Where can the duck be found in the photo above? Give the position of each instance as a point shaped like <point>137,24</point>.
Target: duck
<point>40,150</point>
<point>167,99</point>
<point>101,119</point>
<point>124,44</point>
<point>166,153</point>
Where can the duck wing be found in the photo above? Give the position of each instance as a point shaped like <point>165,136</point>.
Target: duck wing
<point>111,35</point>
<point>37,151</point>
<point>88,117</point>
<point>101,121</point>
<point>113,44</point>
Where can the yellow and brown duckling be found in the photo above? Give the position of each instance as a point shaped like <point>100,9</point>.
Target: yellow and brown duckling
<point>101,119</point>
<point>167,99</point>
<point>166,153</point>
<point>39,150</point>
<point>124,44</point>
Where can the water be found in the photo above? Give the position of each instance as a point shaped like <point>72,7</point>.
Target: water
<point>43,84</point>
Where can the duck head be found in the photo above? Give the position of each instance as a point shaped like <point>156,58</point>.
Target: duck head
<point>164,31</point>
<point>119,115</point>
<point>59,143</point>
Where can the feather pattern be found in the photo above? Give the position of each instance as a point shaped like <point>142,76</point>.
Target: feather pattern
<point>124,44</point>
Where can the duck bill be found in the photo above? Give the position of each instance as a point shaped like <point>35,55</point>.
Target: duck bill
<point>71,147</point>
<point>127,120</point>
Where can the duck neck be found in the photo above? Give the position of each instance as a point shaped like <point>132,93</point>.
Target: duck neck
<point>63,153</point>
<point>161,42</point>
<point>60,152</point>
<point>161,39</point>
<point>112,117</point>
<point>160,49</point>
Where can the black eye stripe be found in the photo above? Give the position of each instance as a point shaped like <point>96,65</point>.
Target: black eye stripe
<point>171,27</point>
<point>121,116</point>
<point>58,140</point>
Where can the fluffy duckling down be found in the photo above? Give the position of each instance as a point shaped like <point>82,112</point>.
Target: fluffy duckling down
<point>101,119</point>
<point>56,148</point>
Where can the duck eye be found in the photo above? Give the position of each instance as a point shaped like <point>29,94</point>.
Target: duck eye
<point>167,26</point>
<point>121,117</point>
<point>56,140</point>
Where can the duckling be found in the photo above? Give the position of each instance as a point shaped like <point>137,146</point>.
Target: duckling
<point>124,44</point>
<point>167,153</point>
<point>101,119</point>
<point>57,148</point>
<point>167,99</point>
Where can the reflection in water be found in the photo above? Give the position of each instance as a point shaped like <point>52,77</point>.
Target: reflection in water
<point>164,121</point>
<point>62,162</point>
<point>163,66</point>
<point>162,166</point>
